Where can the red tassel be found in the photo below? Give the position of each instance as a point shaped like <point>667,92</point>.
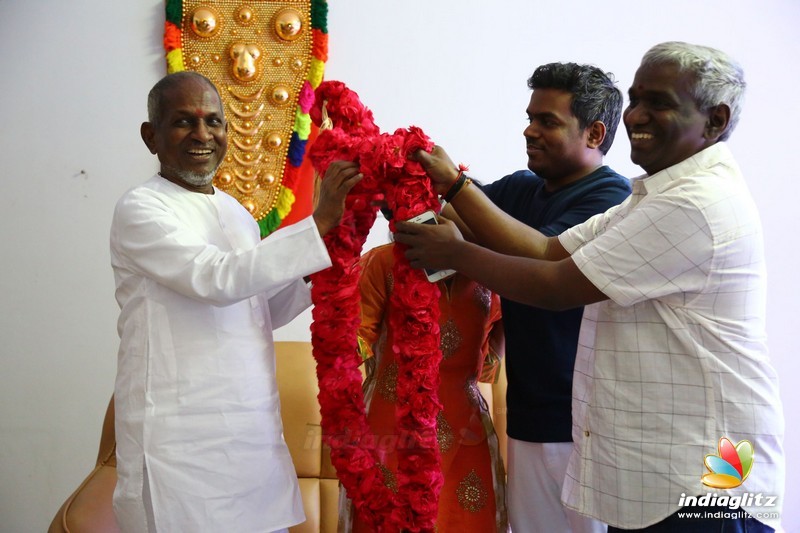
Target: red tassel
<point>320,47</point>
<point>172,36</point>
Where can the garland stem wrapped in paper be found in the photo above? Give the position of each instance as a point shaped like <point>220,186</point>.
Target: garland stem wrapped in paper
<point>389,175</point>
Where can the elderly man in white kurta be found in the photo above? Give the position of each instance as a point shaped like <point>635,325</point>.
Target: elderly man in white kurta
<point>199,436</point>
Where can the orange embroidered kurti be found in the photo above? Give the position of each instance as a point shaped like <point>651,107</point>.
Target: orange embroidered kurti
<point>473,496</point>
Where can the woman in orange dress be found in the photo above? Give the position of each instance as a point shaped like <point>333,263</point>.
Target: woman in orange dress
<point>473,495</point>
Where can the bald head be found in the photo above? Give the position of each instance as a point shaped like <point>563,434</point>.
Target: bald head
<point>155,99</point>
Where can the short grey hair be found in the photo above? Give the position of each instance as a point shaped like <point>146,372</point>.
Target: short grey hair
<point>718,78</point>
<point>155,98</point>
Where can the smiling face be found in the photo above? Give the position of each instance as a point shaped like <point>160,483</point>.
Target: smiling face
<point>558,148</point>
<point>664,124</point>
<point>190,137</point>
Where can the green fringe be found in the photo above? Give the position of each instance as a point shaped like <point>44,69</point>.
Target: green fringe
<point>175,11</point>
<point>269,223</point>
<point>319,15</point>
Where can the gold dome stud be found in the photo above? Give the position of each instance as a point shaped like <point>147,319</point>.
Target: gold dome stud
<point>224,178</point>
<point>279,95</point>
<point>205,22</point>
<point>288,24</point>
<point>245,16</point>
<point>274,140</point>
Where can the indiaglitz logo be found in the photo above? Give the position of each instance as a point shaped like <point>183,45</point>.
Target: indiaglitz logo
<point>730,466</point>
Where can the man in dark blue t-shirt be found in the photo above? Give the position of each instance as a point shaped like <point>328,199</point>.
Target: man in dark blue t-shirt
<point>573,115</point>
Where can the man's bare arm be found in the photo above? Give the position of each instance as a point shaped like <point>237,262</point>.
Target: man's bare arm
<point>480,220</point>
<point>554,284</point>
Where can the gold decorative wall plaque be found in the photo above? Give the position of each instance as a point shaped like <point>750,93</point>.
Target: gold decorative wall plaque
<point>266,57</point>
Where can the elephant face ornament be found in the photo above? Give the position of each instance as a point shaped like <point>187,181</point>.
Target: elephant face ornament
<point>245,61</point>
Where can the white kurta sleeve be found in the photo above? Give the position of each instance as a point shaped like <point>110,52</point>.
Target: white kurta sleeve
<point>164,236</point>
<point>288,303</point>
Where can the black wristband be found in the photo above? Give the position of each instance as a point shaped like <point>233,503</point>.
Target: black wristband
<point>455,187</point>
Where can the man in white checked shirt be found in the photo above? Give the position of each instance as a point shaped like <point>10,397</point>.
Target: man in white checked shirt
<point>673,356</point>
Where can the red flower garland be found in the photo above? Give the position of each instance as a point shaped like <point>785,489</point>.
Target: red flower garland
<point>402,183</point>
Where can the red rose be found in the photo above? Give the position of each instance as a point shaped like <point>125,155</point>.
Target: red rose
<point>415,139</point>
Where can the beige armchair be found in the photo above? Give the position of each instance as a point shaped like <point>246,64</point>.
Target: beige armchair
<point>298,389</point>
<point>88,508</point>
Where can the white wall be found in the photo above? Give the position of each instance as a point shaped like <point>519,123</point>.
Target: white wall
<point>74,81</point>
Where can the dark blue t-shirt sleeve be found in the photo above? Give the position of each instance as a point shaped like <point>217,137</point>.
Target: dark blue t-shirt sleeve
<point>522,196</point>
<point>585,207</point>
